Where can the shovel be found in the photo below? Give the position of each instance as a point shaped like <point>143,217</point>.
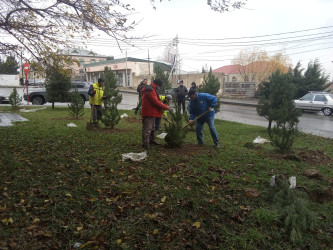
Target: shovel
<point>90,125</point>
<point>165,118</point>
<point>207,111</point>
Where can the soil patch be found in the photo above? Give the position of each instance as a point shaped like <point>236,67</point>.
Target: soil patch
<point>67,119</point>
<point>312,157</point>
<point>115,130</point>
<point>133,119</point>
<point>186,150</point>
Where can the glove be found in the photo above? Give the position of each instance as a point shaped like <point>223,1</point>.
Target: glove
<point>211,109</point>
<point>94,92</point>
<point>104,97</point>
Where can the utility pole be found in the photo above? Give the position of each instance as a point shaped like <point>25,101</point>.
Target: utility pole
<point>148,64</point>
<point>175,58</point>
<point>126,80</point>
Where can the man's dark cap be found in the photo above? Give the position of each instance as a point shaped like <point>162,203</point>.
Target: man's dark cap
<point>191,92</point>
<point>194,84</point>
<point>180,81</point>
<point>158,82</point>
<point>100,80</point>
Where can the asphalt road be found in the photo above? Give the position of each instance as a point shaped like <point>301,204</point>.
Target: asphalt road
<point>312,123</point>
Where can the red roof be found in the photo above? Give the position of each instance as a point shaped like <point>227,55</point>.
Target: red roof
<point>228,69</point>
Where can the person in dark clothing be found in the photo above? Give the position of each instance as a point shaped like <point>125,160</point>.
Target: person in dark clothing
<point>181,92</point>
<point>139,89</point>
<point>193,86</point>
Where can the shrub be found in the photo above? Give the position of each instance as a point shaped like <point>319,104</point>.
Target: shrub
<point>15,100</point>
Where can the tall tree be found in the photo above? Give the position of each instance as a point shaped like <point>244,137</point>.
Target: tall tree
<point>57,83</point>
<point>111,116</point>
<point>257,65</point>
<point>40,27</point>
<point>211,85</point>
<point>10,66</point>
<point>164,77</point>
<point>275,94</point>
<point>313,78</point>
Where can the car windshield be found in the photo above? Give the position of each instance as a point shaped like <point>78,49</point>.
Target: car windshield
<point>307,97</point>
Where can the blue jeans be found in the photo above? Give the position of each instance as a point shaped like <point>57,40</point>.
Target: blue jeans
<point>213,132</point>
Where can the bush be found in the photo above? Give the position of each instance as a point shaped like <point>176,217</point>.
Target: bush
<point>76,106</point>
<point>15,100</point>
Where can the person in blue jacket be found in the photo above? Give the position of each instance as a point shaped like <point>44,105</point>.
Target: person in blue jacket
<point>199,103</point>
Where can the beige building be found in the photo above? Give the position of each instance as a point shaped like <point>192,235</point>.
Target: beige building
<point>130,71</point>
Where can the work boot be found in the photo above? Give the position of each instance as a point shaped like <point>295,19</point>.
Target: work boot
<point>155,143</point>
<point>145,146</point>
<point>217,146</point>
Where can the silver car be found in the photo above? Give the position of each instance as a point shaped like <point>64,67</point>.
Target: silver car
<point>38,95</point>
<point>316,101</point>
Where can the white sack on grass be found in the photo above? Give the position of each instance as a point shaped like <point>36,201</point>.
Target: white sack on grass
<point>31,110</point>
<point>124,115</point>
<point>71,125</point>
<point>134,156</point>
<point>292,181</point>
<point>260,140</point>
<point>162,135</point>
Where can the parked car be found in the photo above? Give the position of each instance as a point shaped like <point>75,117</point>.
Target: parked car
<point>38,95</point>
<point>316,101</point>
<point>4,99</point>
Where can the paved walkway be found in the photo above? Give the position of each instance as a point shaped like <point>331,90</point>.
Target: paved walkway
<point>7,119</point>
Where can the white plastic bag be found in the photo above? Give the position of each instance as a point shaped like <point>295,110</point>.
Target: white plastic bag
<point>292,181</point>
<point>260,140</point>
<point>134,156</point>
<point>162,135</point>
<point>124,115</point>
<point>71,125</point>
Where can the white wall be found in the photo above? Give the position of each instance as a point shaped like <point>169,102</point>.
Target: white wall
<point>9,80</point>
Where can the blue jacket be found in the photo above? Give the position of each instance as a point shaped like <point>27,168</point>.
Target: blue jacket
<point>201,104</point>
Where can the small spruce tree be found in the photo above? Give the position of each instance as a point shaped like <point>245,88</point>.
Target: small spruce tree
<point>164,77</point>
<point>211,85</point>
<point>15,99</point>
<point>111,116</point>
<point>76,106</point>
<point>175,134</point>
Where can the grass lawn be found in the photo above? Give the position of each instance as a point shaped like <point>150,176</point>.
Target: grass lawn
<point>61,185</point>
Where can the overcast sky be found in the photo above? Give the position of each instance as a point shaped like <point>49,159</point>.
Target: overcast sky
<point>214,39</point>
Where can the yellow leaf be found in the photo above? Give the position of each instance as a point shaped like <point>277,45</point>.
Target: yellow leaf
<point>174,176</point>
<point>68,195</point>
<point>155,231</point>
<point>36,220</point>
<point>99,191</point>
<point>196,224</point>
<point>213,188</point>
<point>48,235</point>
<point>108,200</point>
<point>79,228</point>
<point>5,221</point>
<point>3,208</point>
<point>163,198</point>
<point>92,199</point>
<point>119,241</point>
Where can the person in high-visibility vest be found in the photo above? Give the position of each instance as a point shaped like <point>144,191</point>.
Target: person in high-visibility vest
<point>96,95</point>
<point>166,100</point>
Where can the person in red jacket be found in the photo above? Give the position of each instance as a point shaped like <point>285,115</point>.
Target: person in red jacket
<point>152,107</point>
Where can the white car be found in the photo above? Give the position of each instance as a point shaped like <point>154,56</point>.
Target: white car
<point>316,101</point>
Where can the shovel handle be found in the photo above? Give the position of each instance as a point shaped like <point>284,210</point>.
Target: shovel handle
<point>166,119</point>
<point>197,118</point>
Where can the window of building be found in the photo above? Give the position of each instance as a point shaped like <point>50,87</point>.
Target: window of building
<point>120,79</point>
<point>234,79</point>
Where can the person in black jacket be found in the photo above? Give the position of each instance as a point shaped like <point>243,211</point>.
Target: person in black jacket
<point>139,89</point>
<point>193,86</point>
<point>181,92</point>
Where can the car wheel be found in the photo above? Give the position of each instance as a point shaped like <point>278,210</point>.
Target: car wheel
<point>37,100</point>
<point>327,111</point>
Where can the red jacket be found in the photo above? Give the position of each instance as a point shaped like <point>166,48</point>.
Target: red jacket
<point>151,104</point>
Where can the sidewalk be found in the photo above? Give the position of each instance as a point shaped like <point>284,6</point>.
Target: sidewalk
<point>244,102</point>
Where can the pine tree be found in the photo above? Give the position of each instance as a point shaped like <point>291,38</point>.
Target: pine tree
<point>164,77</point>
<point>175,134</point>
<point>76,106</point>
<point>57,83</point>
<point>15,99</point>
<point>111,116</point>
<point>211,85</point>
<point>276,104</point>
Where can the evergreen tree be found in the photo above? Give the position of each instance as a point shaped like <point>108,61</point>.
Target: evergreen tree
<point>10,66</point>
<point>164,77</point>
<point>111,116</point>
<point>57,84</point>
<point>211,85</point>
<point>276,104</point>
<point>175,134</point>
<point>15,99</point>
<point>313,79</point>
<point>76,106</point>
